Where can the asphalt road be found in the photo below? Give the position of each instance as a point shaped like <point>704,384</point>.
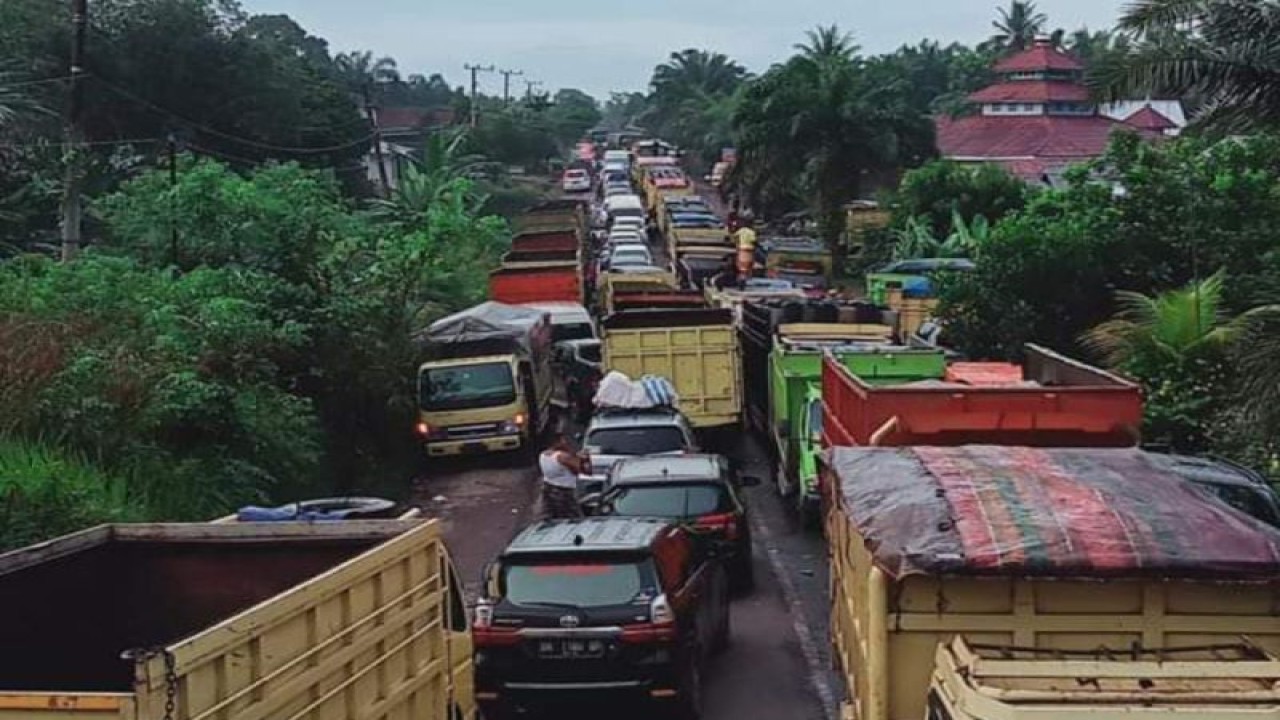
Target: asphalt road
<point>777,664</point>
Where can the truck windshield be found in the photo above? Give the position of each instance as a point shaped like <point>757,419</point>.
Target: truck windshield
<point>815,419</point>
<point>462,387</point>
<point>636,440</point>
<point>572,331</point>
<point>669,500</point>
<point>577,583</point>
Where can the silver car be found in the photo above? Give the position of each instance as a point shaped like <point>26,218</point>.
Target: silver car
<point>614,434</point>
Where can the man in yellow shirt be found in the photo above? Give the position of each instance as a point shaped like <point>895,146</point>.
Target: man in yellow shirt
<point>745,238</point>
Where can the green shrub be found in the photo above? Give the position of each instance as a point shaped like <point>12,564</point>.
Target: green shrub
<point>45,492</point>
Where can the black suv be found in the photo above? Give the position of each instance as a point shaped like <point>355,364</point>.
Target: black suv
<point>700,491</point>
<point>574,608</point>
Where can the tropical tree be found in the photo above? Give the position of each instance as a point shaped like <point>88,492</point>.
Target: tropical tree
<point>1171,326</point>
<point>818,124</point>
<point>1221,51</point>
<point>440,177</point>
<point>1175,343</point>
<point>360,71</point>
<point>690,98</point>
<point>1017,26</point>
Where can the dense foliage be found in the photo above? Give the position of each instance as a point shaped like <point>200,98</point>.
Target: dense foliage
<point>264,355</point>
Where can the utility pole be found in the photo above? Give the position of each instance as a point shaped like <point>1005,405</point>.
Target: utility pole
<point>173,197</point>
<point>71,207</point>
<point>529,85</point>
<point>377,141</point>
<point>476,70</point>
<point>506,84</point>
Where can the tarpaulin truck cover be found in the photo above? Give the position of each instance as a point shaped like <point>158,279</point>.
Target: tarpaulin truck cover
<point>497,326</point>
<point>1081,549</point>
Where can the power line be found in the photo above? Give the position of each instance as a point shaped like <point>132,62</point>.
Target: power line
<point>100,143</point>
<point>29,83</point>
<point>234,138</point>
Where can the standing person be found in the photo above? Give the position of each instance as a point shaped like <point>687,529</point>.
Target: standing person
<point>560,467</point>
<point>745,239</point>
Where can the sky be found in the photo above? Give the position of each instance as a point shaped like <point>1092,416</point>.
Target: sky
<point>602,46</point>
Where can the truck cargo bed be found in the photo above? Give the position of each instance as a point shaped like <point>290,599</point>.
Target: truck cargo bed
<point>1059,402</point>
<point>254,618</point>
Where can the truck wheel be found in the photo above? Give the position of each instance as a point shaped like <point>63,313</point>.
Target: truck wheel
<point>688,704</point>
<point>724,632</point>
<point>781,483</point>
<point>808,514</point>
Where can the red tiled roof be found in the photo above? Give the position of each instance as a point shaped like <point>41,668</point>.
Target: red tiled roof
<point>1148,118</point>
<point>1042,56</point>
<point>1031,91</point>
<point>1037,137</point>
<point>413,117</point>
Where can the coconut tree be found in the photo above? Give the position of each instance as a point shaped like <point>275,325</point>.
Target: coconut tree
<point>1017,26</point>
<point>1176,344</point>
<point>1220,51</point>
<point>1174,325</point>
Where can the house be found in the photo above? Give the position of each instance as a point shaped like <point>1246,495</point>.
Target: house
<point>403,131</point>
<point>1038,118</point>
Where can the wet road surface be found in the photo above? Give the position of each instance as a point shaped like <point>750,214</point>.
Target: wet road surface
<point>777,666</point>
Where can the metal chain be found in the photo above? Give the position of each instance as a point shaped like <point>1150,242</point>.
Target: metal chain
<point>170,685</point>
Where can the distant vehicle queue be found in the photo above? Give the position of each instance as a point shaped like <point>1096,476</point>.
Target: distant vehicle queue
<point>981,479</point>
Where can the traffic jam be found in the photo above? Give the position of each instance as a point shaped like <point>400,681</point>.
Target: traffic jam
<point>984,528</point>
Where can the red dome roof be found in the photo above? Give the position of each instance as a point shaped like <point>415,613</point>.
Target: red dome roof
<point>1041,56</point>
<point>1039,91</point>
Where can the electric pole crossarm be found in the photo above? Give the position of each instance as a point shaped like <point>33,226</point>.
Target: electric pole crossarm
<point>475,70</point>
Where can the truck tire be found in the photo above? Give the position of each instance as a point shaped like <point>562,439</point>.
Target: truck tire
<point>688,703</point>
<point>352,508</point>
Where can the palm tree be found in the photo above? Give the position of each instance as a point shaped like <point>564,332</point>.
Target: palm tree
<point>1222,51</point>
<point>361,72</point>
<point>1173,326</point>
<point>1258,366</point>
<point>683,91</point>
<point>819,122</point>
<point>696,70</point>
<point>441,176</point>
<point>1017,27</point>
<point>829,43</point>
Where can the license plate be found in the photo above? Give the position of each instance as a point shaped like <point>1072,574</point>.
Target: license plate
<point>473,447</point>
<point>571,649</point>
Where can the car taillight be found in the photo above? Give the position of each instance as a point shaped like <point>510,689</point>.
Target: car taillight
<point>725,522</point>
<point>660,628</point>
<point>494,636</point>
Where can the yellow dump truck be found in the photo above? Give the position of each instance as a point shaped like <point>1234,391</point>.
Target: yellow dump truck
<point>353,620</point>
<point>696,349</point>
<point>1003,583</point>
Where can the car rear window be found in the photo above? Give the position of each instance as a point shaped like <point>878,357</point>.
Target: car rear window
<point>636,440</point>
<point>670,500</point>
<point>577,583</point>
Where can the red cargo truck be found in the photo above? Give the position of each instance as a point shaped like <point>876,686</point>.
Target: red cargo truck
<point>546,241</point>
<point>519,285</point>
<point>1057,402</point>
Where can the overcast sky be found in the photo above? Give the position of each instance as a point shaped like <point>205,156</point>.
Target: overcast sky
<point>606,45</point>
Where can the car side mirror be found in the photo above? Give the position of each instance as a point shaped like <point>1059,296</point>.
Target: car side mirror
<point>749,480</point>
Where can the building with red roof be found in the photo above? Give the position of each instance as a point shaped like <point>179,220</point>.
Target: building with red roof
<point>1037,120</point>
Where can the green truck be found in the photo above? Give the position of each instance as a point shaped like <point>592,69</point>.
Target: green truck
<point>795,371</point>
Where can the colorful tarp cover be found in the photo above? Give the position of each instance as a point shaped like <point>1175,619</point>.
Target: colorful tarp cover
<point>1078,512</point>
